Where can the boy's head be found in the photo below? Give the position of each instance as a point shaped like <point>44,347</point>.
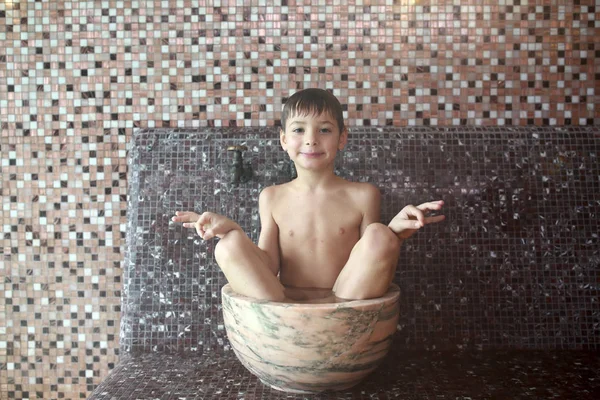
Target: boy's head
<point>313,129</point>
<point>313,102</point>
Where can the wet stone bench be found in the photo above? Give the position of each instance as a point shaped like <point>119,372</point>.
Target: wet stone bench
<point>403,375</point>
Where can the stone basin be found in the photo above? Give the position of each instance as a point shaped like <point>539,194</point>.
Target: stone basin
<point>310,347</point>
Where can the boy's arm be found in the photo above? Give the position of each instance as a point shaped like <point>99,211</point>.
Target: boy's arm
<point>269,231</point>
<point>371,206</point>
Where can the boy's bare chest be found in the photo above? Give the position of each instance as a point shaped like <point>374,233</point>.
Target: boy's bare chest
<point>317,222</point>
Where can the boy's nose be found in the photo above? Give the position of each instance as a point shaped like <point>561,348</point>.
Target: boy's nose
<point>310,139</point>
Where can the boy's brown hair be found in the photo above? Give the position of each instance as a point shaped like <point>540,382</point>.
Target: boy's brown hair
<point>313,101</point>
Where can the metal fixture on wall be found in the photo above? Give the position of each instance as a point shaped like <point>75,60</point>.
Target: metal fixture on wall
<point>239,172</point>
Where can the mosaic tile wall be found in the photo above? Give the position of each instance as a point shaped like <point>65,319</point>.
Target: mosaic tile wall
<point>515,265</point>
<point>77,76</point>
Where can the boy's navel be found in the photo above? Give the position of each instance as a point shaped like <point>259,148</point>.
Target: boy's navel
<point>291,233</point>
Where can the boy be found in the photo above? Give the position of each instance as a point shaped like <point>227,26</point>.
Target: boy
<point>319,233</point>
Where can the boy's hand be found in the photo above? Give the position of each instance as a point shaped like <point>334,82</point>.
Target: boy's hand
<point>208,225</point>
<point>412,218</point>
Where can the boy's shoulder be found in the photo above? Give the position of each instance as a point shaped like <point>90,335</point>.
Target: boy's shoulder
<point>269,193</point>
<point>360,188</point>
<point>270,190</point>
<point>364,192</point>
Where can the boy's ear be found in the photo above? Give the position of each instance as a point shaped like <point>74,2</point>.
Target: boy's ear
<point>282,139</point>
<point>343,139</point>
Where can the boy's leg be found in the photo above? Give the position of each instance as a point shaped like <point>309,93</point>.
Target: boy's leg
<point>246,267</point>
<point>371,266</point>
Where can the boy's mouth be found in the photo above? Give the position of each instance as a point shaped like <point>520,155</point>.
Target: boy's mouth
<point>312,154</point>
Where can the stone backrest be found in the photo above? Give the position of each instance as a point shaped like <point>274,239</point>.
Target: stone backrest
<point>515,265</point>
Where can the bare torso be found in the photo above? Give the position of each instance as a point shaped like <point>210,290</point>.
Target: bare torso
<point>317,232</point>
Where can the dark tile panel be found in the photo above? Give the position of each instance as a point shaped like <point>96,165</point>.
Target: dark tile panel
<point>514,266</point>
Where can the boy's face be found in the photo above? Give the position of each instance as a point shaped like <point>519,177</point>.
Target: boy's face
<point>312,141</point>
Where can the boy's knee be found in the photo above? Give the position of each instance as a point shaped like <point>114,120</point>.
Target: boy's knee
<point>381,240</point>
<point>228,246</point>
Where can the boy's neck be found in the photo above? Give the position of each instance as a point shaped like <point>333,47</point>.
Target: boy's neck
<point>311,181</point>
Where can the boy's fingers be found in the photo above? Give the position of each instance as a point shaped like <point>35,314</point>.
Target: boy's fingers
<point>205,219</point>
<point>415,212</point>
<point>433,220</point>
<point>433,205</point>
<point>183,217</point>
<point>407,224</point>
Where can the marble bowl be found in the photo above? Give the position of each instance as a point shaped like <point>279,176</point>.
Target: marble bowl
<point>308,348</point>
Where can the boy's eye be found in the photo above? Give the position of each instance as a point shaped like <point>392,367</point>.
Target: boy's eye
<point>301,130</point>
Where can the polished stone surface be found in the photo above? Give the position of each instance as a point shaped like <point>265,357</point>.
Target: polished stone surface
<point>403,375</point>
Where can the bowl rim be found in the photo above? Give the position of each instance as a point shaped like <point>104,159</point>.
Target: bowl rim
<point>393,294</point>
